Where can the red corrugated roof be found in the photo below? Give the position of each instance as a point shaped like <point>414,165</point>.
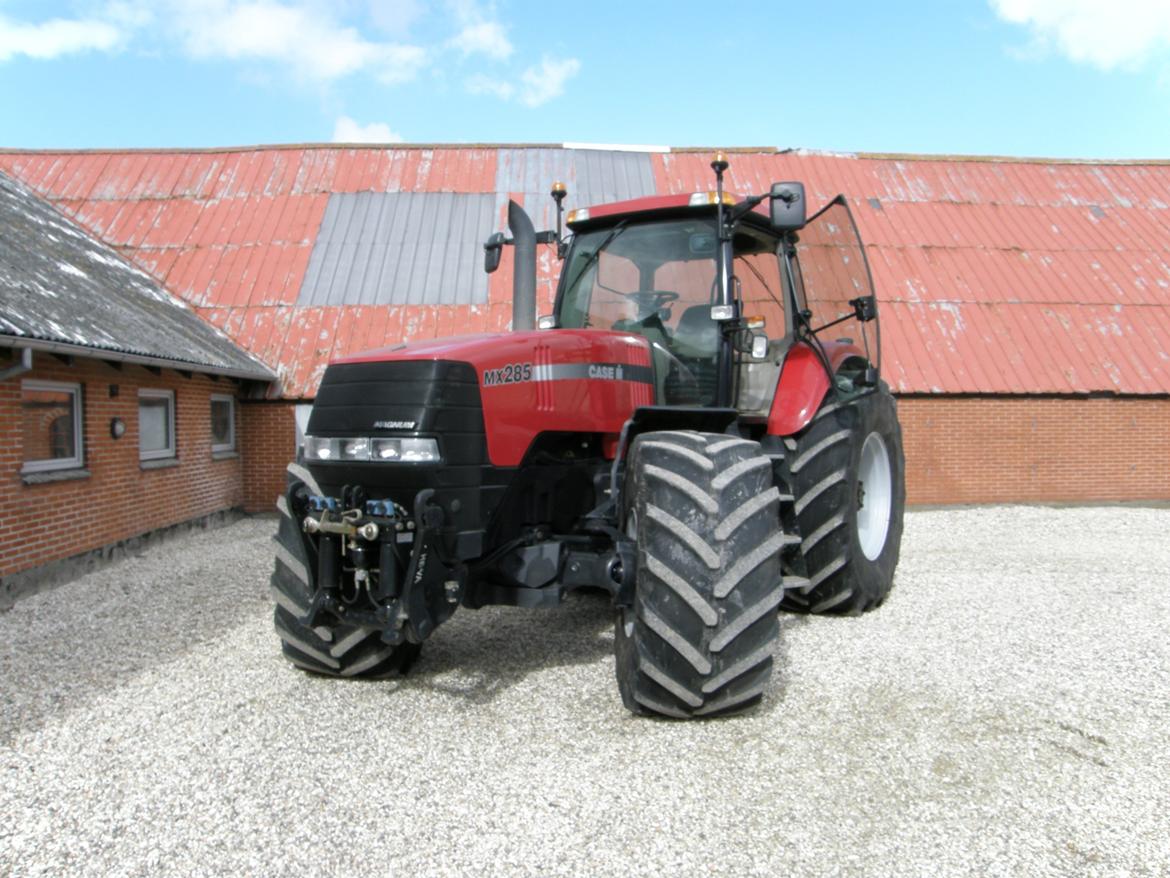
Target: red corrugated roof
<point>997,276</point>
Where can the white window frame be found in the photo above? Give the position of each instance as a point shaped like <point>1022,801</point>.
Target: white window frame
<point>230,445</point>
<point>162,453</point>
<point>58,463</point>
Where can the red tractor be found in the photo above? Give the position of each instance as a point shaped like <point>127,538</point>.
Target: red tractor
<point>682,432</point>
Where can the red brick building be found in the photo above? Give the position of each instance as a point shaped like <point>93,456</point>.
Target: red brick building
<point>1025,303</point>
<point>119,408</point>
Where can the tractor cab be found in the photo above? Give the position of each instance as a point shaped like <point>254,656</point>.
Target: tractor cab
<point>655,275</point>
<point>717,286</point>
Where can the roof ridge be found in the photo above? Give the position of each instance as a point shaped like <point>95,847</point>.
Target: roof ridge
<point>635,148</point>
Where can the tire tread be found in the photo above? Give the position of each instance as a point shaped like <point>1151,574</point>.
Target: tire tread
<point>701,635</point>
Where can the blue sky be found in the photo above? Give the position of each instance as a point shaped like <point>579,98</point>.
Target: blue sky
<point>1059,78</point>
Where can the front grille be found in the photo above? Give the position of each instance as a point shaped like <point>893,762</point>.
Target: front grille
<point>418,398</point>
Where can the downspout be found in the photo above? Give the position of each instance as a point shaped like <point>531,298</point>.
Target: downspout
<point>523,268</point>
<point>25,365</point>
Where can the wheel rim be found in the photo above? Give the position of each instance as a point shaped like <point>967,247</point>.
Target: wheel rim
<point>874,496</point>
<point>632,533</point>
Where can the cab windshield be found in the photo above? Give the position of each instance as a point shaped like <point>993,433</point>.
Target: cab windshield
<point>658,279</point>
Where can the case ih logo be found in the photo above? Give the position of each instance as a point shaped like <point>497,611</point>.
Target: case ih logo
<point>606,372</point>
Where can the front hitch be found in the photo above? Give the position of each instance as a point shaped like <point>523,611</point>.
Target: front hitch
<point>406,600</point>
<point>430,589</point>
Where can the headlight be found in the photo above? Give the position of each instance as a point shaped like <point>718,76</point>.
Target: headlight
<point>320,449</point>
<point>409,450</point>
<point>354,449</point>
<point>379,449</point>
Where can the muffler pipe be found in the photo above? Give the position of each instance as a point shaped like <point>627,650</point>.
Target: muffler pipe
<point>523,268</point>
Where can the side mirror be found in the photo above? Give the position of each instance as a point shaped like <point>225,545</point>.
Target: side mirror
<point>491,252</point>
<point>788,206</point>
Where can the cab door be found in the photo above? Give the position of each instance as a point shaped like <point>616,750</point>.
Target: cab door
<point>832,272</point>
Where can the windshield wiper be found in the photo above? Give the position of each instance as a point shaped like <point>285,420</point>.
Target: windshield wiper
<point>763,282</point>
<point>596,254</point>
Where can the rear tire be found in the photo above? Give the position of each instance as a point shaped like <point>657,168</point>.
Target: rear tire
<point>700,637</point>
<point>848,485</point>
<point>333,650</point>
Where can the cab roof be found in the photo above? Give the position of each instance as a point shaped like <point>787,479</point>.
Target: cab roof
<point>583,218</point>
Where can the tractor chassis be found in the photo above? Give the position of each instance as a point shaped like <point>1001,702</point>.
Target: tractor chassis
<point>361,576</point>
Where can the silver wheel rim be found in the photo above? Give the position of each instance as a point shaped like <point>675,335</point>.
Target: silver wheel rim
<point>632,533</point>
<point>874,496</point>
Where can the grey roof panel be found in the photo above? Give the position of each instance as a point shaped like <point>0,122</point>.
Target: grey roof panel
<point>400,248</point>
<point>425,248</point>
<point>593,176</point>
<point>59,285</point>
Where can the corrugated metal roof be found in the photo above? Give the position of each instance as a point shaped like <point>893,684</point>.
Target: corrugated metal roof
<point>998,276</point>
<point>400,248</point>
<point>593,176</point>
<point>59,285</point>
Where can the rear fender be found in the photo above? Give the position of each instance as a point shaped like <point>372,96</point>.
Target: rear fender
<point>803,384</point>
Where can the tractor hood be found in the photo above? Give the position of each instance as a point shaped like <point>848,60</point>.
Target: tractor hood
<point>566,380</point>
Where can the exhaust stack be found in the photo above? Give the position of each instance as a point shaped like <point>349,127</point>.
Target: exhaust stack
<point>523,268</point>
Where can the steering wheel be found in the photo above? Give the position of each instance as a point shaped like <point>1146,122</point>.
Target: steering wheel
<point>649,301</point>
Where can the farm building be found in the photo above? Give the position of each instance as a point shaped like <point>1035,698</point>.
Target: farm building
<point>118,406</point>
<point>1025,303</point>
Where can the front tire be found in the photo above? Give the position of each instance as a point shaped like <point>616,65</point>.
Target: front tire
<point>847,473</point>
<point>700,637</point>
<point>333,650</point>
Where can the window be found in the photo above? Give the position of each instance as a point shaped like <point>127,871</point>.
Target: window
<point>223,423</point>
<point>757,270</point>
<point>655,279</point>
<point>156,424</point>
<point>51,425</point>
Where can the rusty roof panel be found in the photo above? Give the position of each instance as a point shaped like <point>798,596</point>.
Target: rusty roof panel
<point>1026,348</point>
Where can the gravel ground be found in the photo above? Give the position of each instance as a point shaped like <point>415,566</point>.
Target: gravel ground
<point>1007,712</point>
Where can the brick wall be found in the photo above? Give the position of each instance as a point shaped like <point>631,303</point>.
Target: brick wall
<point>1032,449</point>
<point>119,499</point>
<point>268,444</point>
<point>958,450</point>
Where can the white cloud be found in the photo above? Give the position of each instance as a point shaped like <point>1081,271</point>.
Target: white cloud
<point>538,84</point>
<point>309,41</point>
<point>484,38</point>
<point>543,83</point>
<point>1108,35</point>
<point>303,37</point>
<point>480,84</point>
<point>395,16</point>
<point>346,130</point>
<point>56,37</point>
